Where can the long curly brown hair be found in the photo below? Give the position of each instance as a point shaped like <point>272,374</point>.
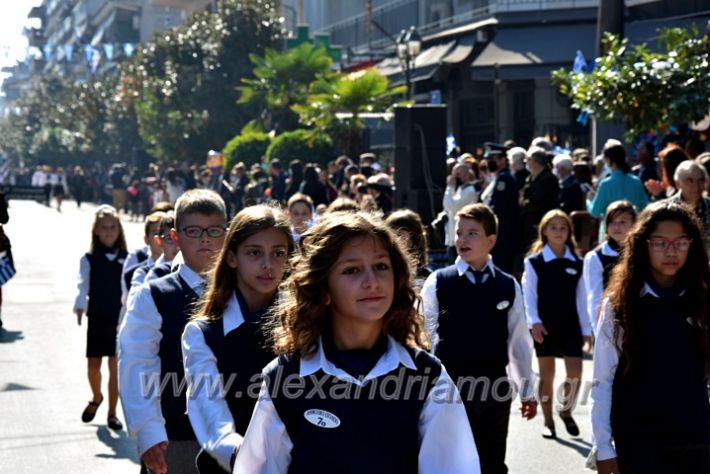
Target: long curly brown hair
<point>302,315</point>
<point>222,279</point>
<point>630,275</point>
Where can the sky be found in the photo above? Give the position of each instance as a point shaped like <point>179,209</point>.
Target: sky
<point>12,21</point>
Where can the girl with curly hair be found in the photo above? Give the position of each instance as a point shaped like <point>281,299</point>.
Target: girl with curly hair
<point>650,409</point>
<point>352,390</point>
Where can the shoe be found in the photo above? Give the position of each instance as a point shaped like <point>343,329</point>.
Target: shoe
<point>570,425</point>
<point>114,423</point>
<point>88,414</point>
<point>548,432</point>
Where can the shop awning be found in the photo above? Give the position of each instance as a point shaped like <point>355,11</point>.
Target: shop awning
<point>530,52</point>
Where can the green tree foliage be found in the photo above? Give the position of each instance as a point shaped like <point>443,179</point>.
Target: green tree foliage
<point>183,83</point>
<point>647,90</point>
<point>282,80</point>
<point>303,145</point>
<point>248,148</point>
<point>336,106</point>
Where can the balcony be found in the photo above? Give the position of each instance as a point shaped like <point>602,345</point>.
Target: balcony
<point>188,6</point>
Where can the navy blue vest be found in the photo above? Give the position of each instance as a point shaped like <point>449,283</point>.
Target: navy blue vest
<point>375,433</point>
<point>608,263</point>
<point>666,378</point>
<point>141,257</point>
<point>175,301</point>
<point>162,269</point>
<point>105,288</point>
<point>241,355</point>
<point>473,323</point>
<point>557,293</point>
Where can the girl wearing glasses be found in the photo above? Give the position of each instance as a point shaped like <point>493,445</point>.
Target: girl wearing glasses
<point>226,338</point>
<point>556,309</point>
<point>599,263</point>
<point>650,409</point>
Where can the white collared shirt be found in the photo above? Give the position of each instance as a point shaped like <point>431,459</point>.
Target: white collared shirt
<point>606,360</point>
<point>446,442</point>
<point>207,409</point>
<point>81,302</point>
<point>593,275</point>
<point>519,340</point>
<point>139,342</point>
<point>529,284</point>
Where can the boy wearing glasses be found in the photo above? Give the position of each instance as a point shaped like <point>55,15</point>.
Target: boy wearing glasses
<point>150,356</point>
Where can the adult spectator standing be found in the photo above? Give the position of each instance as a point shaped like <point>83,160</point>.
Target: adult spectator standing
<point>174,185</point>
<point>117,177</point>
<point>516,158</point>
<point>538,196</point>
<point>647,167</point>
<point>501,195</point>
<point>571,197</point>
<point>690,179</point>
<point>618,185</point>
<point>78,185</point>
<point>278,181</point>
<point>293,182</point>
<point>459,192</point>
<point>312,187</point>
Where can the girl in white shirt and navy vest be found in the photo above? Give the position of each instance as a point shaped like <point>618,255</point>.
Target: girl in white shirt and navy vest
<point>226,338</point>
<point>556,309</point>
<point>599,263</point>
<point>650,409</point>
<point>352,390</point>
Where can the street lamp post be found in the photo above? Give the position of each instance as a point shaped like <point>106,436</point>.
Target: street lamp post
<point>409,44</point>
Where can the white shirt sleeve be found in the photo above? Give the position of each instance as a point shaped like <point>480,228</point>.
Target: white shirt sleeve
<point>82,298</point>
<point>529,283</point>
<point>430,304</point>
<point>447,443</point>
<point>206,407</point>
<point>594,283</point>
<point>520,348</point>
<point>267,446</point>
<point>606,360</point>
<point>581,300</point>
<point>139,371</point>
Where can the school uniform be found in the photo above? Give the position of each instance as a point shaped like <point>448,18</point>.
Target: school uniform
<point>233,348</point>
<point>132,262</point>
<point>598,264</point>
<point>100,298</point>
<point>161,268</point>
<point>150,350</point>
<point>555,296</point>
<point>315,416</point>
<point>656,409</point>
<point>478,327</point>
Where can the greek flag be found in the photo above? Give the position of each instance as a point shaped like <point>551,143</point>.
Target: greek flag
<point>7,270</point>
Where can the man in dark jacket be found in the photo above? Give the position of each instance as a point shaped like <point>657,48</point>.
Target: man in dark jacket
<point>538,196</point>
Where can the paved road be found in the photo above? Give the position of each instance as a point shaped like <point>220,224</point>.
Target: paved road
<point>43,387</point>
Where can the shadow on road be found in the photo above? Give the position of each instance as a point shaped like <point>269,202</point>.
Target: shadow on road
<point>7,337</point>
<point>123,447</point>
<point>579,445</point>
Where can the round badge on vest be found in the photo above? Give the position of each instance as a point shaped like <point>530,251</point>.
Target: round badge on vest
<point>503,304</point>
<point>321,418</point>
<point>571,270</point>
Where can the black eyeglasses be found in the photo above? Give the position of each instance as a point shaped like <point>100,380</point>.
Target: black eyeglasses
<point>195,231</point>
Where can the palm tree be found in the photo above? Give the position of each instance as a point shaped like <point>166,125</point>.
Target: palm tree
<point>336,106</point>
<point>282,80</point>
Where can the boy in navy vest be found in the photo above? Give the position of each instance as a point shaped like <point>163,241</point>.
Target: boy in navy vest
<point>474,313</point>
<point>150,366</point>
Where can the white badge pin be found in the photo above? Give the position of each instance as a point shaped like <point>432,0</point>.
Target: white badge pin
<point>321,418</point>
<point>571,271</point>
<point>503,304</point>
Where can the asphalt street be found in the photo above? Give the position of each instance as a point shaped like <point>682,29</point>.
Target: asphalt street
<point>43,386</point>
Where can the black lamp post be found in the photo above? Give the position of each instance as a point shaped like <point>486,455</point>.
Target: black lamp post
<point>409,45</point>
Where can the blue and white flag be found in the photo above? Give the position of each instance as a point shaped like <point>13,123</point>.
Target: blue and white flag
<point>88,52</point>
<point>129,49</point>
<point>68,51</point>
<point>47,50</point>
<point>580,64</point>
<point>450,143</point>
<point>108,51</point>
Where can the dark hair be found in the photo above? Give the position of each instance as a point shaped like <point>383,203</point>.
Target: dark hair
<point>481,214</point>
<point>167,222</point>
<point>616,154</point>
<point>222,279</point>
<point>630,275</point>
<point>408,221</point>
<point>303,315</point>
<point>618,208</point>
<point>198,201</point>
<point>582,172</point>
<point>694,147</point>
<point>671,156</point>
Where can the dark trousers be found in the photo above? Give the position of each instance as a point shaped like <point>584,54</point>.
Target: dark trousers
<point>644,456</point>
<point>489,424</point>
